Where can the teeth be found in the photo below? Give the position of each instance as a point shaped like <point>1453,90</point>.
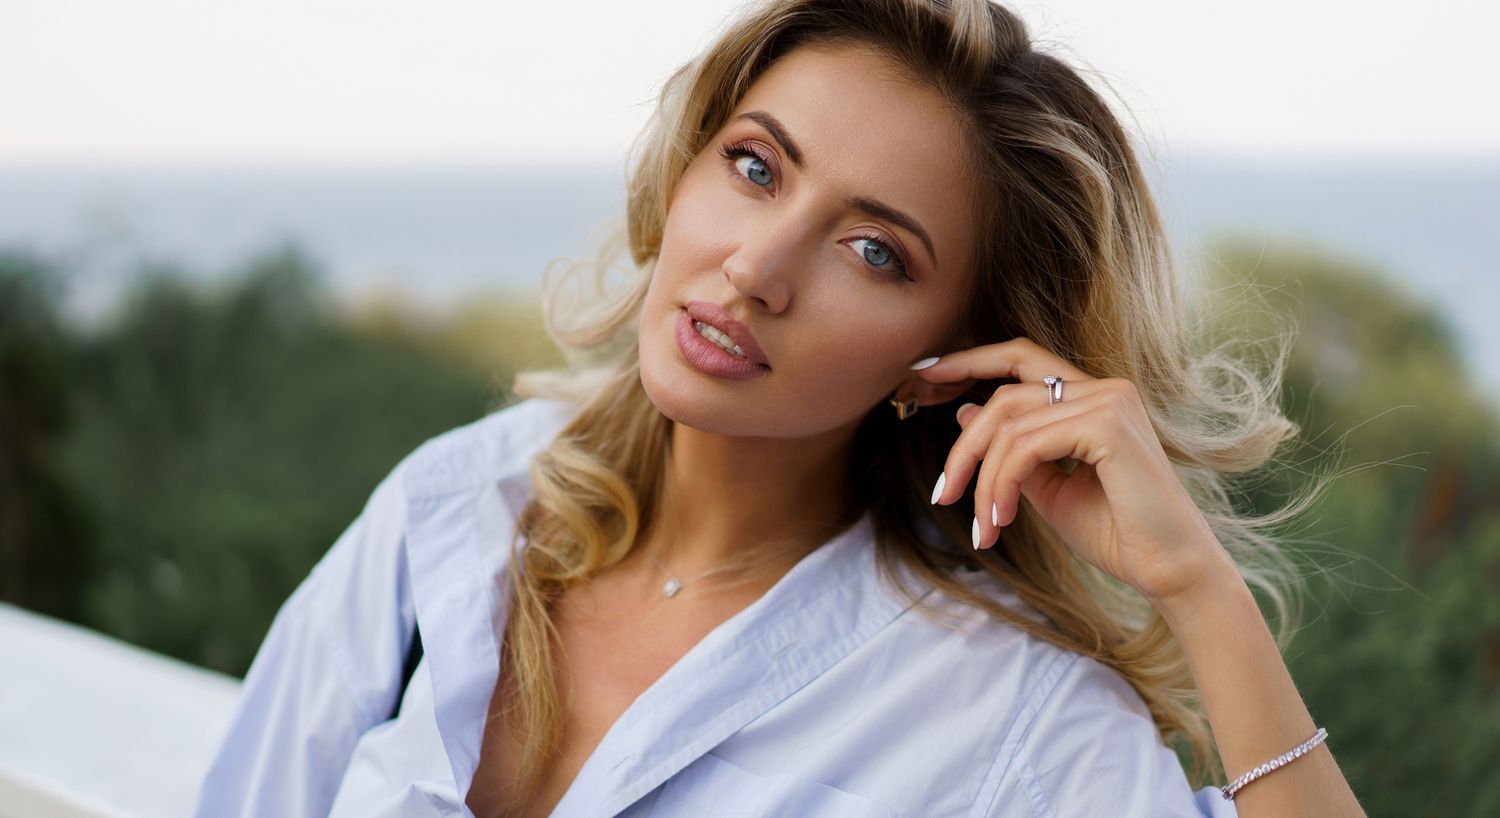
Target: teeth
<point>719,338</point>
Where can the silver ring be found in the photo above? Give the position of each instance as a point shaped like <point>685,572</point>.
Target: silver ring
<point>1054,389</point>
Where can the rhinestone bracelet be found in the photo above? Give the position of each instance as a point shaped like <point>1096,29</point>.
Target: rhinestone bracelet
<point>1276,763</point>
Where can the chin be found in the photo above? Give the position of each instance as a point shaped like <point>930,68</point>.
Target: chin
<point>680,395</point>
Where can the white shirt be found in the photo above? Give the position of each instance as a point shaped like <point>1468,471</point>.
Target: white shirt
<point>828,696</point>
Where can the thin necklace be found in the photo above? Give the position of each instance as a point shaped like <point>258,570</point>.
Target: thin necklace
<point>673,584</point>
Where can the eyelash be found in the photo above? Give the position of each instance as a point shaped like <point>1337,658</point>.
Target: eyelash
<point>738,149</point>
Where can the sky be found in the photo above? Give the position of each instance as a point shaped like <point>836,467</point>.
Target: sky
<point>378,82</point>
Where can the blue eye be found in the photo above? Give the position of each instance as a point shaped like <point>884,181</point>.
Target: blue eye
<point>733,153</point>
<point>878,254</point>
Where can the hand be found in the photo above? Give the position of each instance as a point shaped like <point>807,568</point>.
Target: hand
<point>1122,508</point>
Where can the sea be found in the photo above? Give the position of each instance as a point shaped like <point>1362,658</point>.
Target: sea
<point>437,236</point>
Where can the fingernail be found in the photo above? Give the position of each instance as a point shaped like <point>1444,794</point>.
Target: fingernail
<point>925,362</point>
<point>960,411</point>
<point>937,491</point>
<point>976,533</point>
<point>994,514</point>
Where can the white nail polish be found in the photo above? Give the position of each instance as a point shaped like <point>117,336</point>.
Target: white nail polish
<point>976,533</point>
<point>994,514</point>
<point>925,362</point>
<point>937,491</point>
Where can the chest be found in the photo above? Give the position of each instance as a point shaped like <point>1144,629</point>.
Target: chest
<point>601,663</point>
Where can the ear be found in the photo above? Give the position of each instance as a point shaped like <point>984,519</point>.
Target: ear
<point>931,394</point>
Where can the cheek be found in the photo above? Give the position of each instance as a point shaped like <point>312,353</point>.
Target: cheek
<point>696,232</point>
<point>863,349</point>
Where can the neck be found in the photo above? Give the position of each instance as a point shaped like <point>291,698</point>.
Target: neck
<point>761,503</point>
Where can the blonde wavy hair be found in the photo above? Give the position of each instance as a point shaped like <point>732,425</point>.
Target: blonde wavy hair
<point>1071,254</point>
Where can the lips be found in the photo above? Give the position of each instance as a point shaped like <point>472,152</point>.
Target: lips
<point>715,316</point>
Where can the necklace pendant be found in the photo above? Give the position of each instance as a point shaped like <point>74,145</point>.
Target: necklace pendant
<point>671,587</point>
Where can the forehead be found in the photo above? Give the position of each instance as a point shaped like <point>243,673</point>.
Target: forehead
<point>864,130</point>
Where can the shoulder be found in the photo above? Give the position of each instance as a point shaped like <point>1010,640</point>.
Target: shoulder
<point>359,596</point>
<point>1085,743</point>
<point>1093,748</point>
<point>1068,728</point>
<point>500,444</point>
<point>370,553</point>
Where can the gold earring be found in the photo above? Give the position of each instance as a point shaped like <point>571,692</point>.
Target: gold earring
<point>906,408</point>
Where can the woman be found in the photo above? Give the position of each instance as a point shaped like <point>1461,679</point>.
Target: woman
<point>732,586</point>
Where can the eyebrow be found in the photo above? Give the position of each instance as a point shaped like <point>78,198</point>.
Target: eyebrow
<point>870,207</point>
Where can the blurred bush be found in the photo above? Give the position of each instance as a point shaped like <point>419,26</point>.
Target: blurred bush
<point>48,543</point>
<point>1399,656</point>
<point>218,440</point>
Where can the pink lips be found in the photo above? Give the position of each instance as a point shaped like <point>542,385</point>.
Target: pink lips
<point>710,358</point>
<point>715,316</point>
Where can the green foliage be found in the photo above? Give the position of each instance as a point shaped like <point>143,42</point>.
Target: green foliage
<point>1399,654</point>
<point>47,540</point>
<point>224,440</point>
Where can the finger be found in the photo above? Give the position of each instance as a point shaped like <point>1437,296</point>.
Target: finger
<point>1019,358</point>
<point>1074,436</point>
<point>1044,474</point>
<point>987,508</point>
<point>1014,398</point>
<point>973,441</point>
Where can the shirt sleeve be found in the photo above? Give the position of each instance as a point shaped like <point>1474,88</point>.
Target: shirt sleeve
<point>326,672</point>
<point>1093,749</point>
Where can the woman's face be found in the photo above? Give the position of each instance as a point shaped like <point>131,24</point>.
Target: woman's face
<point>843,246</point>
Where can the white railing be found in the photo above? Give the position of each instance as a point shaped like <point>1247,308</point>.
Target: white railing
<point>94,727</point>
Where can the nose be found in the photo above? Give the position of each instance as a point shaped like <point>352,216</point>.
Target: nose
<point>768,257</point>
